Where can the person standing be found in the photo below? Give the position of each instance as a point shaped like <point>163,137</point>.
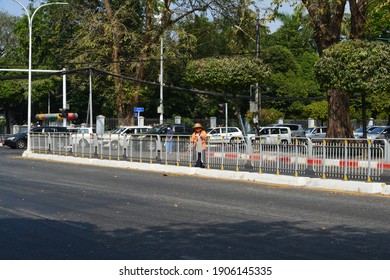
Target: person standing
<point>169,140</point>
<point>199,141</point>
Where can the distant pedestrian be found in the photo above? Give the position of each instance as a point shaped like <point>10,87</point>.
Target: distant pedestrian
<point>169,140</point>
<point>199,141</point>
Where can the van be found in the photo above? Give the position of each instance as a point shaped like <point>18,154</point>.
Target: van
<point>275,135</point>
<point>296,129</point>
<point>220,135</point>
<point>119,135</point>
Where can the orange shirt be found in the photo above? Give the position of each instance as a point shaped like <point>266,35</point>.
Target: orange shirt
<point>203,137</point>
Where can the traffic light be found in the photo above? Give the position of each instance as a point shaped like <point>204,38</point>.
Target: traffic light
<point>64,113</point>
<point>221,108</point>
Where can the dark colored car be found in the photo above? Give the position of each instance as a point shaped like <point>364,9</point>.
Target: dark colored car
<point>19,140</point>
<point>162,130</point>
<point>178,129</point>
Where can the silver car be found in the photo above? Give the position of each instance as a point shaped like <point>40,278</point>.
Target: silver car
<point>316,133</point>
<point>379,133</point>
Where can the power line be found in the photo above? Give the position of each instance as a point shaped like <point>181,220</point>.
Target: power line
<point>155,84</point>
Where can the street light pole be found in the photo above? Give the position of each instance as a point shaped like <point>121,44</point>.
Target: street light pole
<point>258,94</point>
<point>30,20</point>
<point>162,81</point>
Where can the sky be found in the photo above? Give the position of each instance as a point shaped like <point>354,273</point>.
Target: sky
<point>15,9</point>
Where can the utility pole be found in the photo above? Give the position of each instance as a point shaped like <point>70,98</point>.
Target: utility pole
<point>90,99</point>
<point>161,108</point>
<point>258,93</point>
<point>64,105</point>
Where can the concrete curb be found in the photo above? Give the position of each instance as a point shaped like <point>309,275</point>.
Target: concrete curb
<point>304,182</point>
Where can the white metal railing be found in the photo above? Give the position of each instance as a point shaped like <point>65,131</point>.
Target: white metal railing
<point>328,158</point>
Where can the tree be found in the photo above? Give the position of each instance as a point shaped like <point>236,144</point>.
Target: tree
<point>7,37</point>
<point>228,75</point>
<point>356,67</point>
<point>326,17</point>
<point>317,110</point>
<point>295,33</point>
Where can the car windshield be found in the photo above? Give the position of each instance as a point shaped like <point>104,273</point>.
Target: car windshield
<point>118,130</point>
<point>309,129</point>
<point>369,129</point>
<point>264,131</point>
<point>359,130</point>
<point>376,130</point>
<point>153,130</point>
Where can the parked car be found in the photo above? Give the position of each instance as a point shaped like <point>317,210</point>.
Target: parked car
<point>220,135</point>
<point>296,129</point>
<point>150,136</point>
<point>251,134</point>
<point>316,133</point>
<point>358,133</point>
<point>83,136</point>
<point>117,136</point>
<point>379,133</point>
<point>275,135</point>
<point>178,129</point>
<point>19,140</point>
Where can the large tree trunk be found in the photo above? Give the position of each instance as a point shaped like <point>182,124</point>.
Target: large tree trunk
<point>358,17</point>
<point>326,20</point>
<point>326,17</point>
<point>339,122</point>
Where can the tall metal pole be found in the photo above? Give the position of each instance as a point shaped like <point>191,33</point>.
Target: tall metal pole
<point>90,99</point>
<point>162,81</point>
<point>258,94</point>
<point>30,21</point>
<point>64,96</point>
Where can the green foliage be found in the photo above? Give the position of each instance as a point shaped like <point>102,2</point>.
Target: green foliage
<point>269,116</point>
<point>83,34</point>
<point>378,20</point>
<point>226,74</point>
<point>317,110</point>
<point>280,59</point>
<point>356,67</point>
<point>295,33</point>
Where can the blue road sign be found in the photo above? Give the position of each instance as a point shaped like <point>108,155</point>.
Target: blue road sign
<point>139,109</point>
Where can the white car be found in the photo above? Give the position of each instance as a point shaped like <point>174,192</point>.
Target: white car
<point>275,135</point>
<point>83,136</point>
<point>120,134</point>
<point>220,135</point>
<point>316,134</point>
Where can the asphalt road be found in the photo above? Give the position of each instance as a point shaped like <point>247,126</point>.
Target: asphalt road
<point>62,211</point>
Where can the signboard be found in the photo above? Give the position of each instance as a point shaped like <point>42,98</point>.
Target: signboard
<point>139,109</point>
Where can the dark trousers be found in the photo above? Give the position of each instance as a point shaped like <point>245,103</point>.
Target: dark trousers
<point>199,162</point>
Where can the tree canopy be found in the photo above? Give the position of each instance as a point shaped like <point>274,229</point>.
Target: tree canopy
<point>209,45</point>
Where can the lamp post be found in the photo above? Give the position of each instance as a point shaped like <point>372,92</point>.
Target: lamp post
<point>30,19</point>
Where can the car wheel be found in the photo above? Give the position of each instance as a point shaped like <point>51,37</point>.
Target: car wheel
<point>151,145</point>
<point>284,142</point>
<point>20,144</point>
<point>114,145</point>
<point>235,140</point>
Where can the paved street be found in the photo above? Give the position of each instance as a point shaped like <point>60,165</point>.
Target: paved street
<point>50,210</point>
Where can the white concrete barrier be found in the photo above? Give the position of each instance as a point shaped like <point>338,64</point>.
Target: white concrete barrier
<point>284,180</point>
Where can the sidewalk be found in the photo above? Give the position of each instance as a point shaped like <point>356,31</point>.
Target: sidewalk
<point>281,180</point>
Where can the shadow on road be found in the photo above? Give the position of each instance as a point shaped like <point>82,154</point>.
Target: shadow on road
<point>47,240</point>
